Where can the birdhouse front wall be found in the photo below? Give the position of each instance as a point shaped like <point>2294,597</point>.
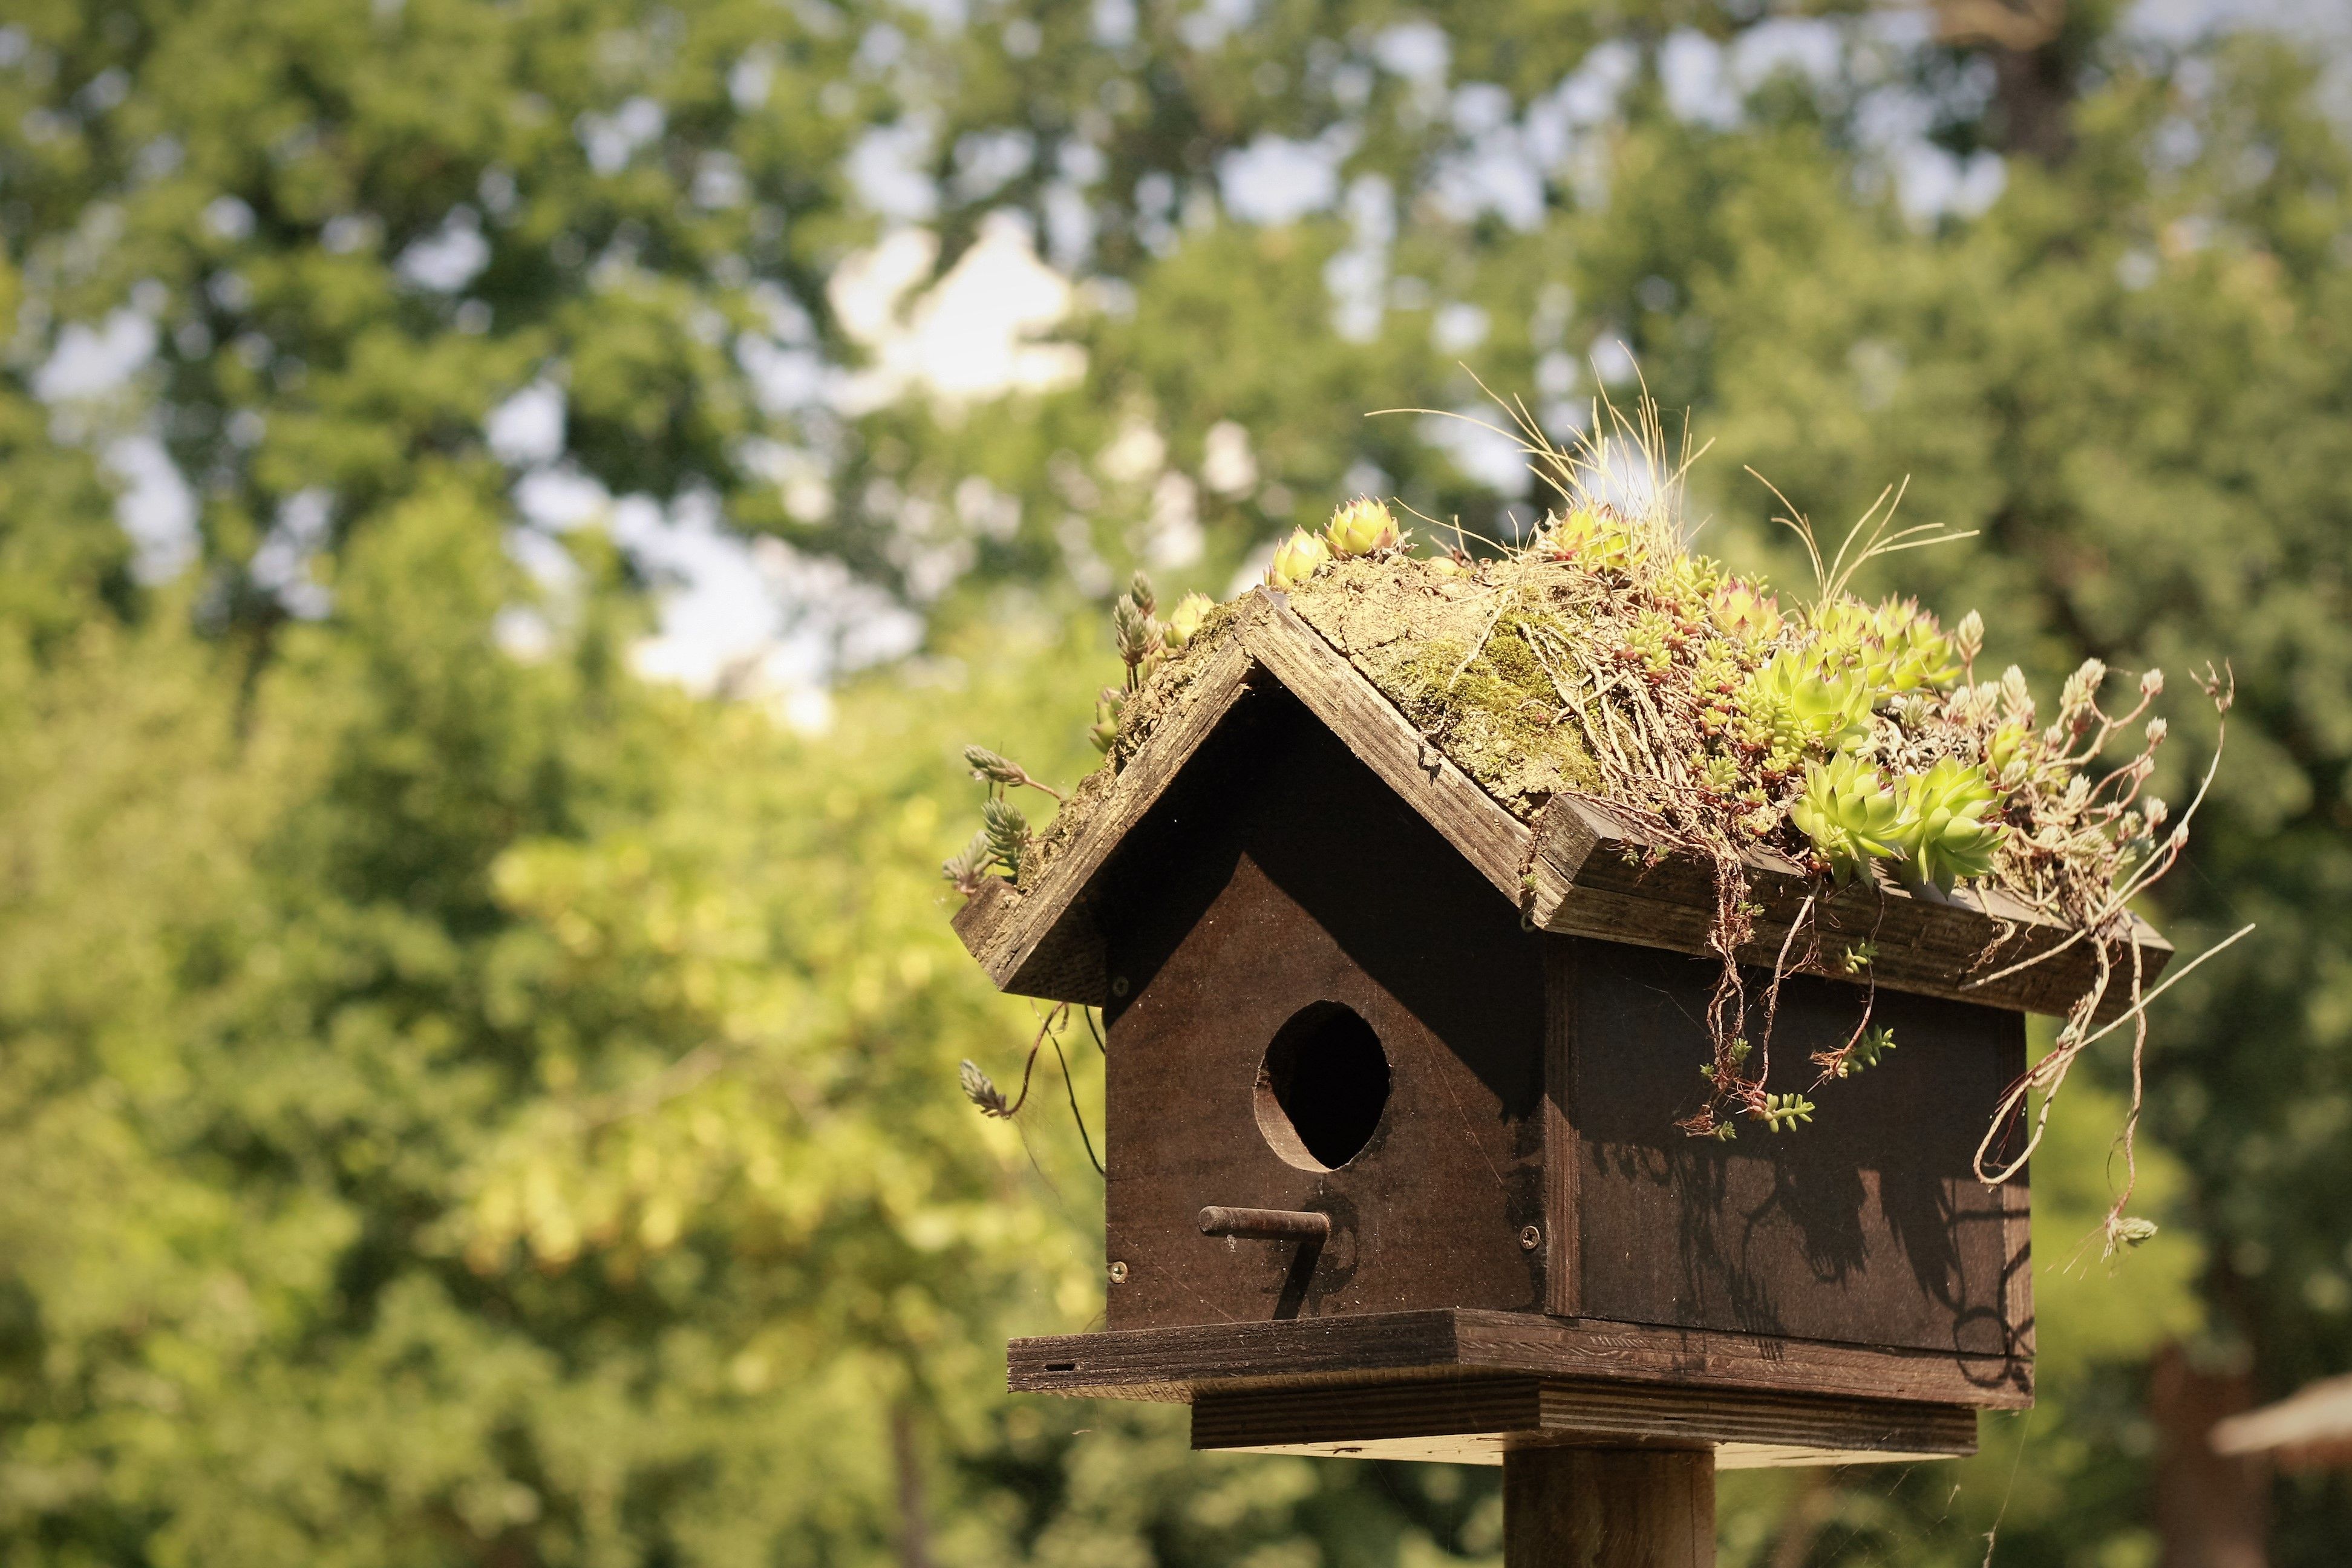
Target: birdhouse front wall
<point>1317,1004</point>
<point>1281,886</point>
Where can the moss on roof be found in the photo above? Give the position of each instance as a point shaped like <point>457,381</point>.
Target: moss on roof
<point>1449,647</point>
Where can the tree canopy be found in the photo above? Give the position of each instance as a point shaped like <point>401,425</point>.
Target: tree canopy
<point>470,1102</point>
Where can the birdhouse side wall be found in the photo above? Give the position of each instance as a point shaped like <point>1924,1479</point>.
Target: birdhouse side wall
<point>1278,877</point>
<point>1867,1226</point>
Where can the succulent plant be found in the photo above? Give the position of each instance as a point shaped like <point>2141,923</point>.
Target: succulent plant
<point>1801,702</point>
<point>990,768</point>
<point>1362,527</point>
<point>2006,747</point>
<point>1652,641</point>
<point>1915,652</point>
<point>1184,620</point>
<point>1689,583</point>
<point>1141,638</point>
<point>981,1090</point>
<point>1007,832</point>
<point>964,868</point>
<point>998,771</point>
<point>1593,536</point>
<point>1299,558</point>
<point>1850,814</point>
<point>1718,775</point>
<point>1844,634</point>
<point>1139,588</point>
<point>1944,836</point>
<point>1864,1054</point>
<point>1743,610</point>
<point>1968,637</point>
<point>1108,705</point>
<point>1782,1112</point>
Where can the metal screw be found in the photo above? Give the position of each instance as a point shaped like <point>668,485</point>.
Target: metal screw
<point>1118,1273</point>
<point>1529,1238</point>
<point>1118,984</point>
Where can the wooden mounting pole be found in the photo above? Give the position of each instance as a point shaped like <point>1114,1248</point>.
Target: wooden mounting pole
<point>1608,1507</point>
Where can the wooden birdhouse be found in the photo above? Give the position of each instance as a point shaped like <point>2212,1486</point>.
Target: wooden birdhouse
<point>1393,1083</point>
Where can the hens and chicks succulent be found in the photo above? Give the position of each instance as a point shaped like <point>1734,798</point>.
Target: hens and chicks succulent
<point>1848,737</point>
<point>1836,721</point>
<point>1845,734</point>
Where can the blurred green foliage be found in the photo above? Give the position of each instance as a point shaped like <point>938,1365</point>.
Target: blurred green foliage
<point>467,1104</point>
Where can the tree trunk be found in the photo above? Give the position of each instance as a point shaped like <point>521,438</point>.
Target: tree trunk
<point>2033,92</point>
<point>914,1524</point>
<point>2210,1512</point>
<point>2034,66</point>
<point>1800,1526</point>
<point>1608,1507</point>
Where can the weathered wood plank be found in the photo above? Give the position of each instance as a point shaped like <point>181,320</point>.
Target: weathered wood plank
<point>1044,942</point>
<point>1563,1154</point>
<point>1868,1226</point>
<point>1609,885</point>
<point>1238,915</point>
<point>1335,692</point>
<point>1171,1364</point>
<point>1490,1449</point>
<point>1557,1410</point>
<point>1604,1508</point>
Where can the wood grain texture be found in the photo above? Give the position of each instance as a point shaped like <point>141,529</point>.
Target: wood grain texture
<point>1608,1507</point>
<point>2017,1223</point>
<point>1046,941</point>
<point>1610,884</point>
<point>1261,893</point>
<point>1486,835</point>
<point>1530,1410</point>
<point>1172,1365</point>
<point>1578,869</point>
<point>1868,1224</point>
<point>1562,1232</point>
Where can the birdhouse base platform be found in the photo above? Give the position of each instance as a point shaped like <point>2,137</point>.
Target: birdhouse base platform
<point>1467,1387</point>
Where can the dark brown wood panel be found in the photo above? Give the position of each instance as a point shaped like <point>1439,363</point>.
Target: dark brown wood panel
<point>1046,941</point>
<point>1607,1509</point>
<point>1564,1270</point>
<point>1171,1364</point>
<point>1866,1225</point>
<point>1279,875</point>
<point>1603,881</point>
<point>1562,1411</point>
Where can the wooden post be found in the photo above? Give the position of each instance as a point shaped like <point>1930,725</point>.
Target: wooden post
<point>1608,1507</point>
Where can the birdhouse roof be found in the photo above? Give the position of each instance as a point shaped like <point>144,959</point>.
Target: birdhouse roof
<point>1571,866</point>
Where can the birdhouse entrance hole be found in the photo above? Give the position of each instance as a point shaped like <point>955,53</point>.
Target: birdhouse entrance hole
<point>1322,1086</point>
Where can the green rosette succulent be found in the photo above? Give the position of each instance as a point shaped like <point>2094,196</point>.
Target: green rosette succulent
<point>1850,814</point>
<point>1362,527</point>
<point>2008,748</point>
<point>1743,610</point>
<point>1301,556</point>
<point>1944,836</point>
<point>1109,706</point>
<point>1805,702</point>
<point>1844,634</point>
<point>1596,538</point>
<point>1913,650</point>
<point>1184,623</point>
